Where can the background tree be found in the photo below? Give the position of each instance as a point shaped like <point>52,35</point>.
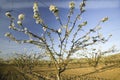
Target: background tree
<point>68,37</point>
<point>94,55</point>
<point>112,60</point>
<point>26,62</point>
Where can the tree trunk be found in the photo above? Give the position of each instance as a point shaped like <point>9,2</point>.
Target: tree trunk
<point>58,76</point>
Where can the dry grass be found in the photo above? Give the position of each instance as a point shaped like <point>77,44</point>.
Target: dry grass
<point>111,72</point>
<point>9,72</point>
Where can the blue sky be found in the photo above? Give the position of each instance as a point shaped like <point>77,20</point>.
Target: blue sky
<point>95,11</point>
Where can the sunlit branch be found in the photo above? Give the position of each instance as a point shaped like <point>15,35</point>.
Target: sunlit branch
<point>90,31</point>
<point>52,42</point>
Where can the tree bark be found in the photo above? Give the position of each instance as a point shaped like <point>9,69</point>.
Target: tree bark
<point>58,76</point>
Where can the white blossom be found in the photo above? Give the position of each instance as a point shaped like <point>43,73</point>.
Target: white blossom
<point>100,35</point>
<point>57,18</point>
<point>82,24</point>
<point>74,47</point>
<point>36,15</point>
<point>53,8</point>
<point>83,9</point>
<point>59,30</point>
<point>11,37</point>
<point>44,28</point>
<point>39,21</point>
<point>12,24</point>
<point>30,41</point>
<point>19,22</point>
<point>64,26</point>
<point>8,14</point>
<point>25,29</point>
<point>35,6</point>
<point>71,5</point>
<point>104,19</point>
<point>98,28</point>
<point>87,37</point>
<point>68,32</point>
<point>21,16</point>
<point>7,34</point>
<point>11,27</point>
<point>82,4</point>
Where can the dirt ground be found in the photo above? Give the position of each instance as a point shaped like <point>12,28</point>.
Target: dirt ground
<point>109,72</point>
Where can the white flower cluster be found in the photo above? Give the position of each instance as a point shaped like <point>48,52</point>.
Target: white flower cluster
<point>100,35</point>
<point>72,5</point>
<point>26,30</point>
<point>59,30</point>
<point>87,37</point>
<point>35,6</point>
<point>19,22</point>
<point>67,32</point>
<point>30,41</point>
<point>8,14</point>
<point>8,34</point>
<point>44,28</point>
<point>20,18</point>
<point>53,9</point>
<point>12,26</point>
<point>39,21</point>
<point>104,19</point>
<point>82,24</point>
<point>82,6</point>
<point>36,14</point>
<point>98,28</point>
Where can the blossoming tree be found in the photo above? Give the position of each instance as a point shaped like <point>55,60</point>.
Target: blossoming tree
<point>67,45</point>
